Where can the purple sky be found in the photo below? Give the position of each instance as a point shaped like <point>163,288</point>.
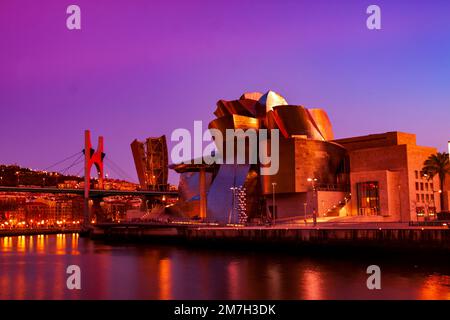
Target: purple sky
<point>144,68</point>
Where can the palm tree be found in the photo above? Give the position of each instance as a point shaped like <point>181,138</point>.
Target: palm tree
<point>438,164</point>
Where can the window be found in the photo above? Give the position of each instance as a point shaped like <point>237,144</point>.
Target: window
<point>422,197</point>
<point>420,211</point>
<point>426,186</point>
<point>417,197</point>
<point>428,198</point>
<point>432,197</point>
<point>417,186</point>
<point>417,174</point>
<point>368,198</point>
<point>421,186</point>
<point>431,186</point>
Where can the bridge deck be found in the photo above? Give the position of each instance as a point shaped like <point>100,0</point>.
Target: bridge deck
<point>92,193</point>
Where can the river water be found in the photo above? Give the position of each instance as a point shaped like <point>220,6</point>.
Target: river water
<point>34,267</point>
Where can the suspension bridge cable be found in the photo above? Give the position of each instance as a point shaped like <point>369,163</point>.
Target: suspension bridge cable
<point>117,167</point>
<point>80,171</point>
<point>76,168</point>
<point>119,175</point>
<point>61,161</point>
<point>124,173</point>
<point>75,162</point>
<point>116,172</point>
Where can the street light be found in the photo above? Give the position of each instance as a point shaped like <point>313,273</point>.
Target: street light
<point>273,202</point>
<point>232,204</point>
<point>323,208</point>
<point>304,206</point>
<point>17,174</point>
<point>346,200</point>
<point>434,200</point>
<point>313,186</point>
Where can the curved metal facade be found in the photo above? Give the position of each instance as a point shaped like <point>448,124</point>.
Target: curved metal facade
<point>305,151</point>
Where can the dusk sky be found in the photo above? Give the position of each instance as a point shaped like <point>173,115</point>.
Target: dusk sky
<point>144,68</point>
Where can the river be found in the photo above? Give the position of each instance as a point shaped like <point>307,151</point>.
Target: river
<point>34,267</point>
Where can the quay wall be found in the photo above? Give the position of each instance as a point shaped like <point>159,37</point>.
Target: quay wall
<point>402,238</point>
<point>30,232</point>
<point>393,238</point>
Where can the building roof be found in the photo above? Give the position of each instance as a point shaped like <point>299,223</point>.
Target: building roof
<point>393,138</point>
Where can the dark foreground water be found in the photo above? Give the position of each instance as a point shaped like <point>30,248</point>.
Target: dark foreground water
<point>34,267</point>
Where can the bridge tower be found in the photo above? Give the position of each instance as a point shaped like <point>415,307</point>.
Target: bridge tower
<point>152,164</point>
<point>91,157</point>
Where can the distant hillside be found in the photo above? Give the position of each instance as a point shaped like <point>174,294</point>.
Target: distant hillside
<point>14,175</point>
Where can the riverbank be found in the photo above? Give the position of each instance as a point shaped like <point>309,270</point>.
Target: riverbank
<point>35,267</point>
<point>30,232</point>
<point>345,237</point>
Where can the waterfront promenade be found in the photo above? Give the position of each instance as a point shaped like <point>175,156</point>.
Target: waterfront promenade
<point>345,235</point>
<point>36,231</point>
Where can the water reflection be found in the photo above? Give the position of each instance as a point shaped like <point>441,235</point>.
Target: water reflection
<point>432,287</point>
<point>30,244</point>
<point>274,280</point>
<point>74,244</point>
<point>34,267</point>
<point>40,247</point>
<point>21,244</point>
<point>60,244</point>
<point>165,279</point>
<point>234,281</point>
<point>6,244</point>
<point>312,285</point>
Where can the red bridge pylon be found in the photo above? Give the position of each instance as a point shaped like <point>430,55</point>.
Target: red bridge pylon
<point>91,157</point>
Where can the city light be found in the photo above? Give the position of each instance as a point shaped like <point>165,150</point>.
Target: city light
<point>268,198</point>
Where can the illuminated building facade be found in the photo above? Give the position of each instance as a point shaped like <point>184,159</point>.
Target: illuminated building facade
<point>386,178</point>
<point>151,161</point>
<point>313,171</point>
<point>370,178</point>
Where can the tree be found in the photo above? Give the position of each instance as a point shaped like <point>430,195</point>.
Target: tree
<point>438,164</point>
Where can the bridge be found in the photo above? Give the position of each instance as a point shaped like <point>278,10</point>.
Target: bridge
<point>92,192</point>
<point>90,157</point>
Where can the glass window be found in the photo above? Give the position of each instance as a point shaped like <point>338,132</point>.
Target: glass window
<point>431,187</point>
<point>417,186</point>
<point>422,197</point>
<point>432,197</point>
<point>420,211</point>
<point>417,174</point>
<point>426,186</point>
<point>421,186</point>
<point>368,198</point>
<point>428,197</point>
<point>417,197</point>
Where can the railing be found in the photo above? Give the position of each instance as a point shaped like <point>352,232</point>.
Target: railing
<point>338,206</point>
<point>435,223</point>
<point>332,187</point>
<point>36,231</point>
